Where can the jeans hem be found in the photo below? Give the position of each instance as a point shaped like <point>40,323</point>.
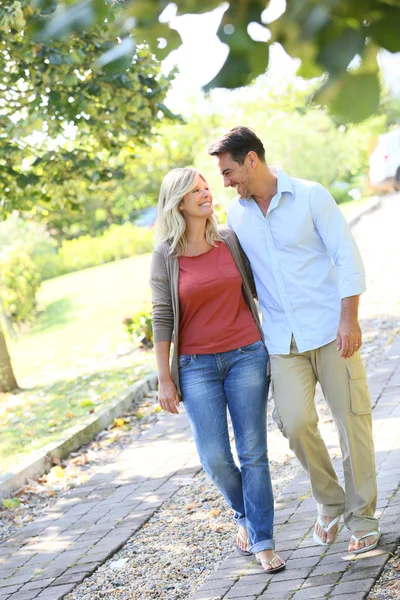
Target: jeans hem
<point>241,521</point>
<point>260,546</point>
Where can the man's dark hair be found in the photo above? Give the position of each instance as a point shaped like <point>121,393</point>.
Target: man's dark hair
<point>239,141</point>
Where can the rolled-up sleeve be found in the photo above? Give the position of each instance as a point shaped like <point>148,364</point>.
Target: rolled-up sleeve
<point>339,241</point>
<point>163,317</point>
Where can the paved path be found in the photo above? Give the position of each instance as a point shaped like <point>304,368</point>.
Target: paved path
<point>50,556</point>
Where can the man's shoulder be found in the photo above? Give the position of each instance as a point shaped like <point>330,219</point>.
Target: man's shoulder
<point>235,208</point>
<point>234,203</point>
<point>304,185</point>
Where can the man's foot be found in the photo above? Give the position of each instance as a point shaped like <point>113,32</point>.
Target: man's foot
<point>242,541</point>
<point>270,562</point>
<point>363,541</point>
<point>326,530</point>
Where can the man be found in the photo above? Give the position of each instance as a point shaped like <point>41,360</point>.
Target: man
<point>309,276</point>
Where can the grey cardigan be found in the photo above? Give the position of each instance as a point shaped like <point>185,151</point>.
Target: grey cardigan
<point>164,275</point>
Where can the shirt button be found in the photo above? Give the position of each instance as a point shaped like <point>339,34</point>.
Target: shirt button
<point>282,291</point>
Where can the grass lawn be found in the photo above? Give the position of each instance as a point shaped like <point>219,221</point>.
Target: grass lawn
<point>81,317</point>
<point>74,360</point>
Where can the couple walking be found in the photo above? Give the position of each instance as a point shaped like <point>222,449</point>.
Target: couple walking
<point>288,245</point>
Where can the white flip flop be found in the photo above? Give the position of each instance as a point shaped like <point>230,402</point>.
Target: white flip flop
<point>367,548</point>
<point>326,528</point>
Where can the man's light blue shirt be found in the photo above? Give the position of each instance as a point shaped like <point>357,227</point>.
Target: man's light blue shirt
<point>304,259</point>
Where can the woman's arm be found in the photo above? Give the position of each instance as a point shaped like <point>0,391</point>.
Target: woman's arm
<point>163,324</point>
<point>167,394</point>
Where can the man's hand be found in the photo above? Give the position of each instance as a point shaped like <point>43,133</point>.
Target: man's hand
<point>168,396</point>
<point>348,338</point>
<point>349,333</point>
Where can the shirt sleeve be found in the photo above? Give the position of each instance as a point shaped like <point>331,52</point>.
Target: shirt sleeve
<point>163,316</point>
<point>335,233</point>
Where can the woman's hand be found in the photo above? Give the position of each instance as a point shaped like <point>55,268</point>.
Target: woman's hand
<point>168,396</point>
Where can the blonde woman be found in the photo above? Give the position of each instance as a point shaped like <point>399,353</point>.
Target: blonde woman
<point>202,301</point>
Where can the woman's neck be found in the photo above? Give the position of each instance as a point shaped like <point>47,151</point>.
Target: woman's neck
<point>195,231</point>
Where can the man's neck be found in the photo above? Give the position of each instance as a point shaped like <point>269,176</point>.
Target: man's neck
<point>265,188</point>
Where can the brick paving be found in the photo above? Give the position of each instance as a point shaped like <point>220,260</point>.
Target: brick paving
<point>58,550</point>
<point>54,553</point>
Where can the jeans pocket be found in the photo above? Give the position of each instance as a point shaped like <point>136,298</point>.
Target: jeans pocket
<point>360,401</point>
<point>250,348</point>
<point>184,361</point>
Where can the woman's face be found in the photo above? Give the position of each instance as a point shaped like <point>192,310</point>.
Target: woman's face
<point>198,202</point>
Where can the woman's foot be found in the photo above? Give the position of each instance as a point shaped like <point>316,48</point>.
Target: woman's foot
<point>270,562</point>
<point>243,542</point>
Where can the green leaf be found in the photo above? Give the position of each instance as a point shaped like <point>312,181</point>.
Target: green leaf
<point>386,32</point>
<point>11,502</point>
<point>353,97</point>
<point>119,57</point>
<point>55,59</point>
<point>336,55</point>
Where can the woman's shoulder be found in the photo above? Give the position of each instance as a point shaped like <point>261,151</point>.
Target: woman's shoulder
<point>228,234</point>
<point>229,237</point>
<point>162,248</point>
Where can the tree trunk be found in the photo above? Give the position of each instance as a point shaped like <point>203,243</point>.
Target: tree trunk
<point>7,377</point>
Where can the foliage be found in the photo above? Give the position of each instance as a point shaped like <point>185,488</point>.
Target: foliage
<point>19,283</point>
<point>139,328</point>
<point>16,230</point>
<point>117,242</point>
<point>326,35</point>
<point>69,129</point>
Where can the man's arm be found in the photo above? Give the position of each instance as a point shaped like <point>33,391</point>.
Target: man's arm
<point>349,337</point>
<point>340,243</point>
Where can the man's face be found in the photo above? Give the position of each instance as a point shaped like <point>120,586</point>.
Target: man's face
<point>236,175</point>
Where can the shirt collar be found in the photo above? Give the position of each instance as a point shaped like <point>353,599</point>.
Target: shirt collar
<point>284,185</point>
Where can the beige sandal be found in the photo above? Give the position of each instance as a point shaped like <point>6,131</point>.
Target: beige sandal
<point>268,566</point>
<point>245,541</point>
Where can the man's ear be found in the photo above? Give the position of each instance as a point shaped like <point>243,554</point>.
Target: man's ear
<point>252,158</point>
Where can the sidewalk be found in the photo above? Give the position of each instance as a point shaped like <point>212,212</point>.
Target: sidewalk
<point>50,556</point>
<point>54,553</point>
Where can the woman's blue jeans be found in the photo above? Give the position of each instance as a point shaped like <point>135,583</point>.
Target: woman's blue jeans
<point>237,381</point>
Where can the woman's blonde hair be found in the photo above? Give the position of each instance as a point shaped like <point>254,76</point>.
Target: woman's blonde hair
<point>171,225</point>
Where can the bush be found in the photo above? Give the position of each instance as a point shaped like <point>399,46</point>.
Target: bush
<point>117,242</point>
<point>139,328</point>
<point>19,283</point>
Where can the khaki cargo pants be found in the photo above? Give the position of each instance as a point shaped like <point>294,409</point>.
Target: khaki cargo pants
<point>344,385</point>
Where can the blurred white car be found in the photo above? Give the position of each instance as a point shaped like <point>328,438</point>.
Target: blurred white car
<point>384,162</point>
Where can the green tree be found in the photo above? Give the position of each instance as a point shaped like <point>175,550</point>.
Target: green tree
<point>68,123</point>
<point>327,35</point>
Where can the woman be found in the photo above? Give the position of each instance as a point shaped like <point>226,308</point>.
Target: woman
<point>202,300</point>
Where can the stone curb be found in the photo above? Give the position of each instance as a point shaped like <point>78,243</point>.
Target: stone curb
<point>374,203</point>
<point>40,462</point>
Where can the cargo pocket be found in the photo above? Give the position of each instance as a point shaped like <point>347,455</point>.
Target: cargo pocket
<point>360,401</point>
